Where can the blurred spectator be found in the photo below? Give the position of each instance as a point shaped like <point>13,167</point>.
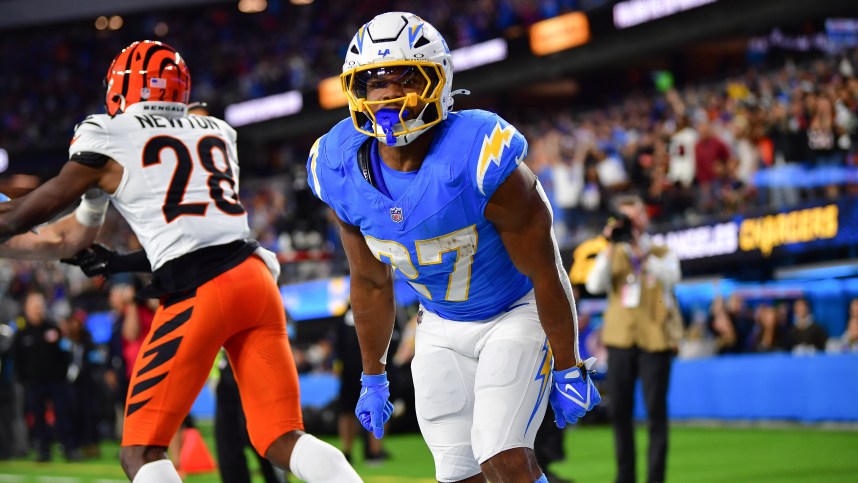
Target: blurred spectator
<point>132,322</point>
<point>683,164</point>
<point>231,438</point>
<point>711,156</point>
<point>84,372</point>
<point>722,328</point>
<point>41,365</point>
<point>769,335</point>
<point>849,339</point>
<point>805,334</point>
<point>742,318</point>
<point>13,432</point>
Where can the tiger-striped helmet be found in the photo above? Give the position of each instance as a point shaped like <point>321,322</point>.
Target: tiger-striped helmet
<point>146,71</point>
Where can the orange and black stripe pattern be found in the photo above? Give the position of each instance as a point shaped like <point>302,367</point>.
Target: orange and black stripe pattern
<point>146,71</point>
<point>158,353</point>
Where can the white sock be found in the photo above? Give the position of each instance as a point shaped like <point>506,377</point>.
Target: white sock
<point>316,461</point>
<point>161,471</point>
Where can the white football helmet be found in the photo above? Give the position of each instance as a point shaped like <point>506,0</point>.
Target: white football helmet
<point>406,47</point>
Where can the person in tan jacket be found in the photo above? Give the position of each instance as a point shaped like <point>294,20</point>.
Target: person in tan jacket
<point>642,328</point>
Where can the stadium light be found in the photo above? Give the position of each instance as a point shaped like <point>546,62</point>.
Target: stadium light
<point>264,108</point>
<point>115,22</point>
<point>559,33</point>
<point>331,95</point>
<point>635,12</point>
<point>101,23</point>
<point>4,160</point>
<point>161,29</point>
<point>483,53</point>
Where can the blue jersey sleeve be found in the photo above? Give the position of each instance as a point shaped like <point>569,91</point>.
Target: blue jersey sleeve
<point>500,148</point>
<point>314,179</point>
<point>326,173</point>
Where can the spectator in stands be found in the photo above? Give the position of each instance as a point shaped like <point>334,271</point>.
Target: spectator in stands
<point>41,366</point>
<point>12,428</point>
<point>769,335</point>
<point>849,339</point>
<point>711,156</point>
<point>683,164</point>
<point>641,329</point>
<point>722,328</point>
<point>743,320</point>
<point>806,335</point>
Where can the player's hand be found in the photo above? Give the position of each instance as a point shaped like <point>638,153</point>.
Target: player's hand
<point>93,260</point>
<point>573,393</point>
<point>373,407</point>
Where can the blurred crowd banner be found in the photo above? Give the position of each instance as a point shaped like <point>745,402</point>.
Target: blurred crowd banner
<point>794,230</point>
<point>329,298</point>
<point>813,388</point>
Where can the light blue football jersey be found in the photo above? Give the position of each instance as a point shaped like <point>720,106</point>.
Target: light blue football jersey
<point>435,234</point>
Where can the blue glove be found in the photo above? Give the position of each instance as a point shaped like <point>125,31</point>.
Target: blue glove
<point>573,393</point>
<point>373,408</point>
<point>4,198</point>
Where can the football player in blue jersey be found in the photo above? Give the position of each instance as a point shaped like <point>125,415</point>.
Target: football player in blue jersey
<point>444,199</point>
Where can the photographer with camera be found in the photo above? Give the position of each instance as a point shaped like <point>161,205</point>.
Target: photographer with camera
<point>642,328</point>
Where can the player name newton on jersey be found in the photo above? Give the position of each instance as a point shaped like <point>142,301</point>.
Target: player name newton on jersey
<point>156,121</point>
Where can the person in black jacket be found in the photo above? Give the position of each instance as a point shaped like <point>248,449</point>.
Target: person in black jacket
<point>231,436</point>
<point>85,368</point>
<point>41,366</point>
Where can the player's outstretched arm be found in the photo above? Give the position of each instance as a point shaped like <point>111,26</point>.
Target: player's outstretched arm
<point>57,240</point>
<point>62,238</point>
<point>55,195</point>
<point>523,220</point>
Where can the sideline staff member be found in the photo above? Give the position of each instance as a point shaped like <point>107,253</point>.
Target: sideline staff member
<point>641,330</point>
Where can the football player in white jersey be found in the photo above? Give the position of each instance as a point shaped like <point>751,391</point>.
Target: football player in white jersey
<point>174,177</point>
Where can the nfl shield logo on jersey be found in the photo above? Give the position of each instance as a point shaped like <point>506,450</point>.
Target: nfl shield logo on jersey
<point>396,214</point>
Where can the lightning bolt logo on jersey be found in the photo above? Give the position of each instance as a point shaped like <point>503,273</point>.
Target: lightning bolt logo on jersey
<point>450,254</point>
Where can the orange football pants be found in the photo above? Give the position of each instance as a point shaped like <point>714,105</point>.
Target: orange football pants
<point>242,311</point>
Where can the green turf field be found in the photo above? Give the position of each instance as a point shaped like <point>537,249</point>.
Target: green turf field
<point>697,455</point>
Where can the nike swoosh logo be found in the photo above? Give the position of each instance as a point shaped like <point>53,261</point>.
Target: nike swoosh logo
<point>510,308</point>
<point>74,139</point>
<point>583,403</point>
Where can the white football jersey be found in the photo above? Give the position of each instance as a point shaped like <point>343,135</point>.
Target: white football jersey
<point>179,190</point>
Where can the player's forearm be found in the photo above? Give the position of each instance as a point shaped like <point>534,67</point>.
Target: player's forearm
<point>556,309</point>
<point>58,240</point>
<point>374,313</point>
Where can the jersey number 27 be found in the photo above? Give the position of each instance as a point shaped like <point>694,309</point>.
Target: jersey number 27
<point>429,252</point>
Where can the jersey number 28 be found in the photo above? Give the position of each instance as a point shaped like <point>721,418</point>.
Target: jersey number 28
<point>174,206</point>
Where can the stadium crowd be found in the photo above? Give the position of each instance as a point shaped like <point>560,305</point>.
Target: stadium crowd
<point>693,152</point>
<point>285,47</point>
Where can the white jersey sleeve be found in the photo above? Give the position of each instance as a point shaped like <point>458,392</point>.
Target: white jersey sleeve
<point>179,188</point>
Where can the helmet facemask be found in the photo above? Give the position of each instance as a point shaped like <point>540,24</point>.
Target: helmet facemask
<point>392,119</point>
